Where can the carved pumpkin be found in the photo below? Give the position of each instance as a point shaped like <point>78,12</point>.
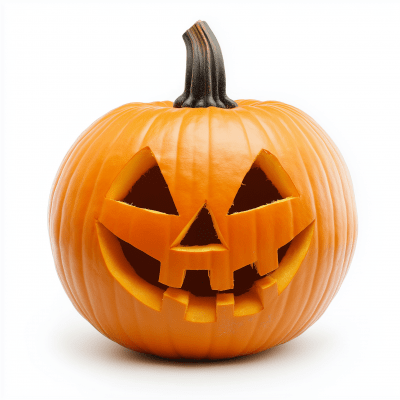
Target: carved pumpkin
<point>204,229</point>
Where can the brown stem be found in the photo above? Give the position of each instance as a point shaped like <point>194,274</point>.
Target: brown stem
<point>205,82</point>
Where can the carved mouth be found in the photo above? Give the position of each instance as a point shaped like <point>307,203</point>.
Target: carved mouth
<point>195,301</point>
<point>196,282</point>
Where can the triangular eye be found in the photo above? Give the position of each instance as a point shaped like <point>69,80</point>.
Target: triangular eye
<point>256,190</point>
<point>141,184</point>
<point>151,191</point>
<point>265,183</point>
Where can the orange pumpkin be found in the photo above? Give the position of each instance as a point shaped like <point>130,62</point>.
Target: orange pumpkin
<point>205,229</point>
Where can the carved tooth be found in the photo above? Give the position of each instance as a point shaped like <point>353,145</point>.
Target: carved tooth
<point>201,309</point>
<point>267,261</point>
<point>267,290</point>
<point>175,303</point>
<point>221,274</point>
<point>171,275</point>
<point>221,278</point>
<point>225,306</point>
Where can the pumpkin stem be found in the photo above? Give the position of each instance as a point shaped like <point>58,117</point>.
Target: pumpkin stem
<point>205,82</point>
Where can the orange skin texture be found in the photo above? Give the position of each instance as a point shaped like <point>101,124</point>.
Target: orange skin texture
<point>203,155</point>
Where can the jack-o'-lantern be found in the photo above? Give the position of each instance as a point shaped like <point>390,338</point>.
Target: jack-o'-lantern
<point>206,228</point>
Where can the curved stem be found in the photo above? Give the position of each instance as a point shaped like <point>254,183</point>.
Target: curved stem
<point>205,81</point>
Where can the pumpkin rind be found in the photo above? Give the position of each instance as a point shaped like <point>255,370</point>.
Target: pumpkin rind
<point>203,154</point>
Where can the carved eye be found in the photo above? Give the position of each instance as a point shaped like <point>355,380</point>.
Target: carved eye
<point>151,191</point>
<point>256,190</point>
<point>265,183</point>
<point>141,184</point>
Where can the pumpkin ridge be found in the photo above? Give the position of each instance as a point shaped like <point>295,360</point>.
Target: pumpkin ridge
<point>87,223</point>
<point>331,147</point>
<point>347,257</point>
<point>278,120</point>
<point>124,115</point>
<point>71,280</point>
<point>67,158</point>
<point>312,285</point>
<point>333,262</point>
<point>333,291</point>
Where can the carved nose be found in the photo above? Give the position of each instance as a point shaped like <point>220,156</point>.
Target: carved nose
<point>202,231</point>
<point>198,247</point>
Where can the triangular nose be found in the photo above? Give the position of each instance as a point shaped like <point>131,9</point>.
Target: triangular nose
<point>202,231</point>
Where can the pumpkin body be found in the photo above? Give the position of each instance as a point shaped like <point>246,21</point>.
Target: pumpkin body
<point>203,155</point>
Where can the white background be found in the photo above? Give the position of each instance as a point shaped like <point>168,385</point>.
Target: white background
<point>64,64</point>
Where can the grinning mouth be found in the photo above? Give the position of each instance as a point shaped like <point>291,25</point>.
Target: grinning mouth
<point>195,282</point>
<point>195,301</point>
